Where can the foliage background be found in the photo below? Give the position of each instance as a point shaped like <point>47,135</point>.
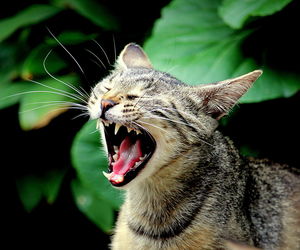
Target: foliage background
<point>54,161</point>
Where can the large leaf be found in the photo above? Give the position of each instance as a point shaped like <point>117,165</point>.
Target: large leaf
<point>236,12</point>
<point>31,15</point>
<point>90,160</point>
<point>38,108</point>
<point>94,11</point>
<point>194,44</point>
<point>95,208</point>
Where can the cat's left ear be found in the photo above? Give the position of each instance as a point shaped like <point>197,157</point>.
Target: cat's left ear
<point>133,56</point>
<point>218,98</point>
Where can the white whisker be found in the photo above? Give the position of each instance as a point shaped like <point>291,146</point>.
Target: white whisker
<point>61,103</point>
<point>154,126</point>
<point>41,91</point>
<point>67,84</point>
<point>58,92</point>
<point>115,50</point>
<point>92,53</point>
<point>85,114</point>
<point>167,119</point>
<point>102,51</point>
<point>66,51</point>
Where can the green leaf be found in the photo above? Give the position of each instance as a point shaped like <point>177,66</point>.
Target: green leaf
<point>192,42</point>
<point>38,108</point>
<point>89,160</point>
<point>92,10</point>
<point>31,15</point>
<point>51,184</point>
<point>71,38</point>
<point>94,207</point>
<point>9,89</point>
<point>236,12</point>
<point>33,64</point>
<point>30,191</point>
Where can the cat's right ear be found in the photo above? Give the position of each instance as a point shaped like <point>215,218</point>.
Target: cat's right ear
<point>218,98</point>
<point>133,56</point>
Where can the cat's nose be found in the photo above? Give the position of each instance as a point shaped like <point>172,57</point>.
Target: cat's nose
<point>106,105</point>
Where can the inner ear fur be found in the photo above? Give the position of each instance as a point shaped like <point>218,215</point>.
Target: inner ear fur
<point>133,56</point>
<point>218,98</point>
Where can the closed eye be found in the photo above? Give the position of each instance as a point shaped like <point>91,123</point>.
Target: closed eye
<point>132,97</point>
<point>108,89</point>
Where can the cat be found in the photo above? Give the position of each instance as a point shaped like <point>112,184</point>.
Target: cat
<point>186,185</point>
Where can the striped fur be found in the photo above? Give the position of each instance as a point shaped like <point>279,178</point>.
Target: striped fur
<point>196,192</point>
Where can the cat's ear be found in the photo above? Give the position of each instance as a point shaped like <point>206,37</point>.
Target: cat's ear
<point>133,56</point>
<point>218,98</point>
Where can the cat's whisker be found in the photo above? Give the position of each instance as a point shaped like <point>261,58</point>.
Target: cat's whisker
<point>60,91</point>
<point>102,51</point>
<point>52,110</point>
<point>93,54</point>
<point>170,109</point>
<point>140,126</point>
<point>115,49</point>
<point>85,114</point>
<point>167,119</point>
<point>80,68</point>
<point>94,61</point>
<point>59,80</point>
<point>93,92</point>
<point>61,103</point>
<point>41,91</point>
<point>175,121</point>
<point>153,126</point>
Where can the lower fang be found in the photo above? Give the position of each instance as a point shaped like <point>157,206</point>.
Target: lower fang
<point>107,175</point>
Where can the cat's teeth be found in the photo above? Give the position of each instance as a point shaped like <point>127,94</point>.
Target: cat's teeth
<point>129,130</point>
<point>115,157</point>
<point>116,149</point>
<point>117,127</point>
<point>138,132</point>
<point>106,123</point>
<point>107,175</point>
<point>142,158</point>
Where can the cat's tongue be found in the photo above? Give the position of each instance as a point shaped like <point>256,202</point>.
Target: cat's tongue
<point>129,153</point>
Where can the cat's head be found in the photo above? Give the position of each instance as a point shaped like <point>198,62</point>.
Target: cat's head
<point>147,118</point>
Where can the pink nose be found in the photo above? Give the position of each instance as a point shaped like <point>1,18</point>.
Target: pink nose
<point>106,105</point>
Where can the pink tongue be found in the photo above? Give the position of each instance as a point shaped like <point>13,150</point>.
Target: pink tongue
<point>129,153</point>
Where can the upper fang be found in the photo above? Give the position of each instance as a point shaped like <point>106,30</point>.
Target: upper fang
<point>117,127</point>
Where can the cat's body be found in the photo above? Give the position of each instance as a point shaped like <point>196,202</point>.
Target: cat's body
<point>191,189</point>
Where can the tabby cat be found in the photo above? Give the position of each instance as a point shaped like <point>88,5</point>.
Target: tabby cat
<point>186,185</point>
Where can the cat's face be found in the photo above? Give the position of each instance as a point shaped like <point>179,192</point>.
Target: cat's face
<point>147,118</point>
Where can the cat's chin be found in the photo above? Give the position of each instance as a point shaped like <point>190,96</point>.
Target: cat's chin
<point>129,150</point>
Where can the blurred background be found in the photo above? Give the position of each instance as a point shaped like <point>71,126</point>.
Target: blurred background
<point>53,52</point>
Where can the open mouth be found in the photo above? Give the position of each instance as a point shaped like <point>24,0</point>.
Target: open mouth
<point>129,150</point>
